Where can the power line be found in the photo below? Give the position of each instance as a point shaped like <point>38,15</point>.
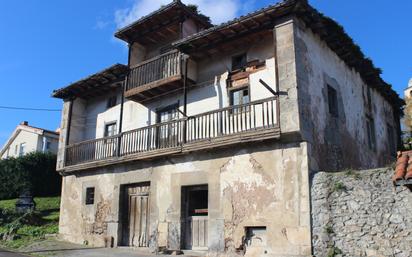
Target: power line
<point>28,109</point>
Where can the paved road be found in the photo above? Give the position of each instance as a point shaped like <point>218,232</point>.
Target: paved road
<point>97,252</point>
<point>4,253</point>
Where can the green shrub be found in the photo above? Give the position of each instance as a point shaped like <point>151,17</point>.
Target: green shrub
<point>34,171</point>
<point>339,187</point>
<point>333,251</point>
<point>329,229</point>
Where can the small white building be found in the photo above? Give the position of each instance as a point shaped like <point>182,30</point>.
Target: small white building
<point>26,139</point>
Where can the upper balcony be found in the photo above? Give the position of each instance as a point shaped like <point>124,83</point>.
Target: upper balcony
<point>158,76</point>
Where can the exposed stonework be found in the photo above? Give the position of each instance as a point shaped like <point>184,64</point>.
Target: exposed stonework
<point>263,185</point>
<point>361,214</point>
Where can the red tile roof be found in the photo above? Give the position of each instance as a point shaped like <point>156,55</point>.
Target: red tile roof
<point>403,170</point>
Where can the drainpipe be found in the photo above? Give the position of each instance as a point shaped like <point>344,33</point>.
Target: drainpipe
<point>44,144</point>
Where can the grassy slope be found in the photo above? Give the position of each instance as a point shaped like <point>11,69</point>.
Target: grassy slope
<point>47,209</point>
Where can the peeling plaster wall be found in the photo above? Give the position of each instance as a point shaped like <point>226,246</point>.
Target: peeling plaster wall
<point>261,185</point>
<point>338,142</point>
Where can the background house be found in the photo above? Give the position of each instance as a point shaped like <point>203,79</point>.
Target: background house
<point>26,139</point>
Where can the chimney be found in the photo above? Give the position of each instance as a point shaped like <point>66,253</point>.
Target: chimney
<point>25,123</point>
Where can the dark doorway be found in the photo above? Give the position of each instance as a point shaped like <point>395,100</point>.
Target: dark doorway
<point>195,217</point>
<point>134,206</point>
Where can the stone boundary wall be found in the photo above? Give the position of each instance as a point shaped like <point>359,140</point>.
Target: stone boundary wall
<point>360,213</point>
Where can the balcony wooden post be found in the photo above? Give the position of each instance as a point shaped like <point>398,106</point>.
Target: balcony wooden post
<point>119,139</point>
<point>185,59</point>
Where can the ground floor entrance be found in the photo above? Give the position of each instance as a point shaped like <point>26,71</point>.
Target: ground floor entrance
<point>195,217</point>
<point>135,214</point>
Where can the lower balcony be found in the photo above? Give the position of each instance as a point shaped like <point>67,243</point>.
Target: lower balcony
<point>254,121</point>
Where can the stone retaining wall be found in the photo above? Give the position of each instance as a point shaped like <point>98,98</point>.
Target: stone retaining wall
<point>360,213</point>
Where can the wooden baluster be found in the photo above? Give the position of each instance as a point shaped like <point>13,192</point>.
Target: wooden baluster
<point>241,118</point>
<point>273,119</point>
<point>267,114</point>
<point>254,116</point>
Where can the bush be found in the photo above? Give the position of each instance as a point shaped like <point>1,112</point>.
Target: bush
<point>35,171</point>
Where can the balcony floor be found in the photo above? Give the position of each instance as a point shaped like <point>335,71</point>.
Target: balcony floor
<point>156,89</point>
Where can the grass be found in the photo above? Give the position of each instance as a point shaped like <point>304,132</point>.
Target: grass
<point>30,227</point>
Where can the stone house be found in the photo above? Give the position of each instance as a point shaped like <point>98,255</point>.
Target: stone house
<point>26,139</point>
<point>206,140</point>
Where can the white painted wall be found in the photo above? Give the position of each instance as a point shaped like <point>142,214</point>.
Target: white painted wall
<point>209,94</point>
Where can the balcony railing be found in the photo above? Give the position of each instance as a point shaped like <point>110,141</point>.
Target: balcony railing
<point>156,69</point>
<point>219,126</point>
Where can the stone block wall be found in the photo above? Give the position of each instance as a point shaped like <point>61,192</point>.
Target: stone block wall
<point>360,213</point>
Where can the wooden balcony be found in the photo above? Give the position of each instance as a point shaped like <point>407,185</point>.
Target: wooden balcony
<point>157,76</point>
<point>255,121</point>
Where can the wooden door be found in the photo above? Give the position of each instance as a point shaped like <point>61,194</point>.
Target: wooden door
<point>137,229</point>
<point>196,233</point>
<point>195,217</point>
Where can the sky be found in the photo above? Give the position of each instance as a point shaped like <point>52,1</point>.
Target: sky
<point>48,44</point>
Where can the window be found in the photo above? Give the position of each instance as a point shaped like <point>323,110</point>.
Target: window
<point>110,129</point>
<point>370,126</point>
<point>239,62</point>
<point>332,101</point>
<point>255,236</point>
<point>111,102</point>
<point>167,133</point>
<point>22,149</point>
<point>89,195</point>
<point>239,97</point>
<point>48,145</point>
<point>391,139</point>
<point>369,98</point>
<point>16,149</point>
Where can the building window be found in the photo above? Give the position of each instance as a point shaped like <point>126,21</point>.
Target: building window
<point>333,101</point>
<point>167,133</point>
<point>255,236</point>
<point>239,97</point>
<point>239,62</point>
<point>89,195</point>
<point>391,139</point>
<point>370,126</point>
<point>110,129</point>
<point>22,149</point>
<point>48,145</point>
<point>111,102</point>
<point>369,96</point>
<point>16,149</point>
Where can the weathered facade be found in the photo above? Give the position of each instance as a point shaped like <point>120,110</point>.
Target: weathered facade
<point>207,138</point>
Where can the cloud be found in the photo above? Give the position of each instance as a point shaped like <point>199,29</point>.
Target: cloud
<point>101,24</point>
<point>218,10</point>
